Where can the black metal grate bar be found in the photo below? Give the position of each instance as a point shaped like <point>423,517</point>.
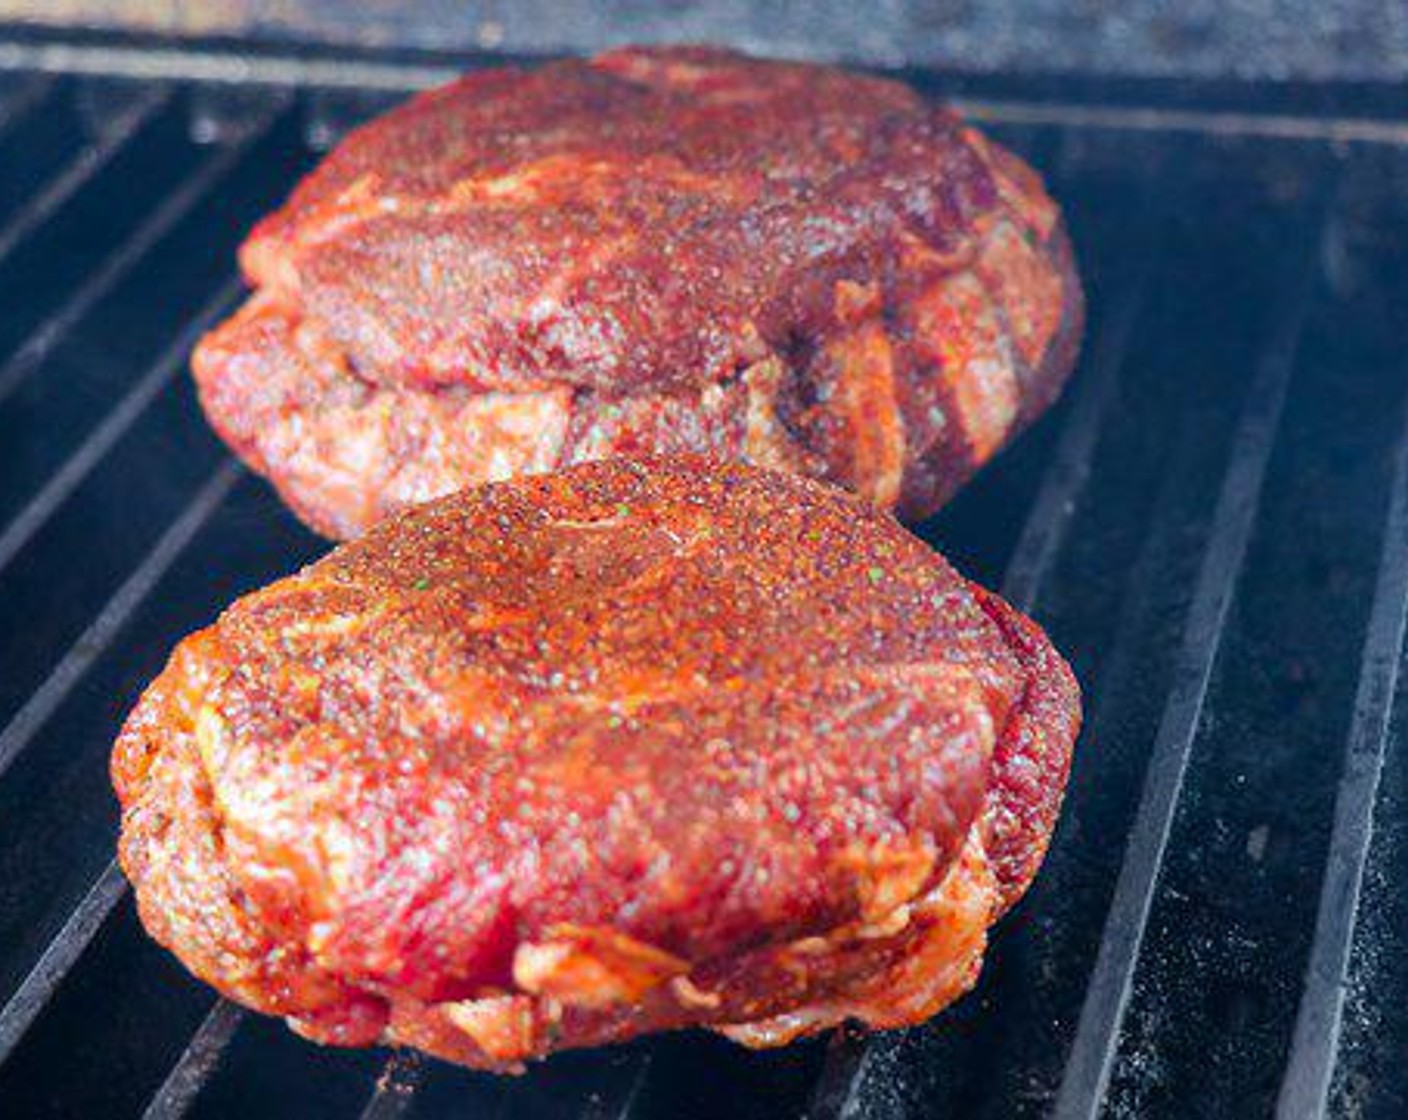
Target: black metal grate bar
<point>400,1078</point>
<point>82,168</point>
<point>1198,122</point>
<point>32,352</point>
<point>110,620</point>
<point>843,1075</point>
<point>1064,482</point>
<point>43,980</point>
<point>404,1075</point>
<point>1316,1040</point>
<point>606,1108</point>
<point>100,441</point>
<point>183,1084</point>
<point>1092,1054</point>
<point>218,67</point>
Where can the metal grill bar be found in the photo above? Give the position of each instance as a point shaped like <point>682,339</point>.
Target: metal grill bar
<point>101,440</point>
<point>603,1110</point>
<point>1034,556</point>
<point>364,74</point>
<point>400,1078</point>
<point>405,1071</point>
<point>114,615</point>
<point>1270,126</point>
<point>1064,481</point>
<point>1316,1040</point>
<point>207,1046</point>
<point>1107,996</point>
<point>161,221</point>
<point>842,1075</point>
<point>62,953</point>
<point>78,932</point>
<point>81,169</point>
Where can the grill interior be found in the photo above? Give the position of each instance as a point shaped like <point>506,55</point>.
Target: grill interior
<point>1213,525</point>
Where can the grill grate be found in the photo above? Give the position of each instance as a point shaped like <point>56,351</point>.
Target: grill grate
<point>1093,1051</point>
<point>1318,1023</point>
<point>1213,523</point>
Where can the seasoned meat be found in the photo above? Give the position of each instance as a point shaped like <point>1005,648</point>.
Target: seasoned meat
<point>658,250</point>
<point>631,746</point>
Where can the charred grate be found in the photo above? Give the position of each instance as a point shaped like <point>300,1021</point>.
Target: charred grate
<point>1213,523</point>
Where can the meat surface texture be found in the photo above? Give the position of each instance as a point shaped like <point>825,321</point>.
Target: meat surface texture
<point>653,251</point>
<point>632,746</point>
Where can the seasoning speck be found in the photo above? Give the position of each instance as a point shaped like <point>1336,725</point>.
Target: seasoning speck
<point>875,575</point>
<point>421,584</point>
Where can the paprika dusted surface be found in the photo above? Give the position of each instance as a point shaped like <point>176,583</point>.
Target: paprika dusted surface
<point>657,250</point>
<point>632,746</point>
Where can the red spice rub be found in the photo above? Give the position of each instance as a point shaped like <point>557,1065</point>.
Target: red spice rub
<point>657,250</point>
<point>627,747</point>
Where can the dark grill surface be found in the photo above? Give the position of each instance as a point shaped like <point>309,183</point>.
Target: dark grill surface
<point>1213,525</point>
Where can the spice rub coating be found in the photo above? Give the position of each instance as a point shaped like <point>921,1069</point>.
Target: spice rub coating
<point>631,746</point>
<point>657,250</point>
